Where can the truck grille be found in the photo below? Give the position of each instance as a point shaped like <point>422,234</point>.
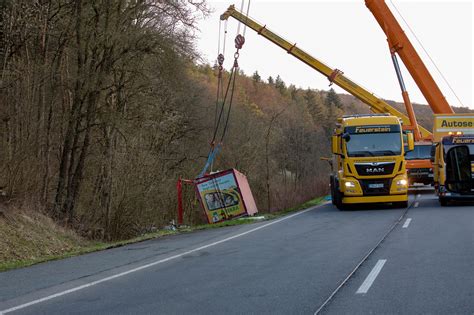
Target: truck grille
<point>375,187</point>
<point>419,172</point>
<point>382,168</point>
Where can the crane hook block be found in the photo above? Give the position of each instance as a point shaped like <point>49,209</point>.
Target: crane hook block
<point>220,59</point>
<point>239,41</point>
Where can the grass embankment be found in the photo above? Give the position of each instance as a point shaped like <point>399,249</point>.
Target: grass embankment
<point>31,238</point>
<point>27,238</point>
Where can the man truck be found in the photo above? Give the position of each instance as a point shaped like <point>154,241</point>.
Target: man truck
<point>368,161</point>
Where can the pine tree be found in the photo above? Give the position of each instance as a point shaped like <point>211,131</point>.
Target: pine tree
<point>280,85</point>
<point>256,77</point>
<point>315,106</point>
<point>293,91</point>
<point>332,99</point>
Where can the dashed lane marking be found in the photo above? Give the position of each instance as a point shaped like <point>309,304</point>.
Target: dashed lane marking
<point>416,204</point>
<point>407,223</point>
<point>364,288</point>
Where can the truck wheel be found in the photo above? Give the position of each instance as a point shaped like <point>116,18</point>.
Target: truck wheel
<point>338,200</point>
<point>342,206</point>
<point>443,202</point>
<point>400,204</point>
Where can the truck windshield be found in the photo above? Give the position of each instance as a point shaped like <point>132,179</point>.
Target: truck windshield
<point>449,146</point>
<point>421,152</point>
<point>374,144</point>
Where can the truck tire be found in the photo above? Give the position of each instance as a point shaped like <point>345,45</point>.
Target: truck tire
<point>400,204</point>
<point>443,201</point>
<point>342,206</point>
<point>338,199</point>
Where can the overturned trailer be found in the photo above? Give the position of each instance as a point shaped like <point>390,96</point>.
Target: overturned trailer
<point>225,195</point>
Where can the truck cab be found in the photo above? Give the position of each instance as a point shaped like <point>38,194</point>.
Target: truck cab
<point>453,157</point>
<point>454,168</point>
<point>419,166</point>
<point>368,161</point>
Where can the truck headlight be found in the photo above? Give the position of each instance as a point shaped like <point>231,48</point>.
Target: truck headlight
<point>350,184</point>
<point>402,182</point>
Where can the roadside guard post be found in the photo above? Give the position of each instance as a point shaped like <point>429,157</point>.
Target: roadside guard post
<point>179,188</point>
<point>225,195</point>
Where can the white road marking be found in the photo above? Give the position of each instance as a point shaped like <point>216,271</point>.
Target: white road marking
<point>90,284</point>
<point>407,223</point>
<point>416,204</point>
<point>371,277</point>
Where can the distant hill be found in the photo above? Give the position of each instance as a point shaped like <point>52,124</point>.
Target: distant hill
<point>423,113</point>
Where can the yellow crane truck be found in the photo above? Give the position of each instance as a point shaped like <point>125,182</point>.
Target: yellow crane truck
<point>418,161</point>
<point>368,152</point>
<point>453,157</point>
<point>368,161</point>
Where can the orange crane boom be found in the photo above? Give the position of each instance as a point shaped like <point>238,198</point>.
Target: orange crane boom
<point>400,44</point>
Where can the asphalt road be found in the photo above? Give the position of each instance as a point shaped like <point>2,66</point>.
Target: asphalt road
<point>291,265</point>
<point>429,266</point>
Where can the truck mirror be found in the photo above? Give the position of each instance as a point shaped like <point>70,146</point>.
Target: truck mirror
<point>346,136</point>
<point>327,160</point>
<point>411,142</point>
<point>335,145</point>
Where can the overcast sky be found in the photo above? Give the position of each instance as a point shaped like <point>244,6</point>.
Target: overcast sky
<point>345,35</point>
